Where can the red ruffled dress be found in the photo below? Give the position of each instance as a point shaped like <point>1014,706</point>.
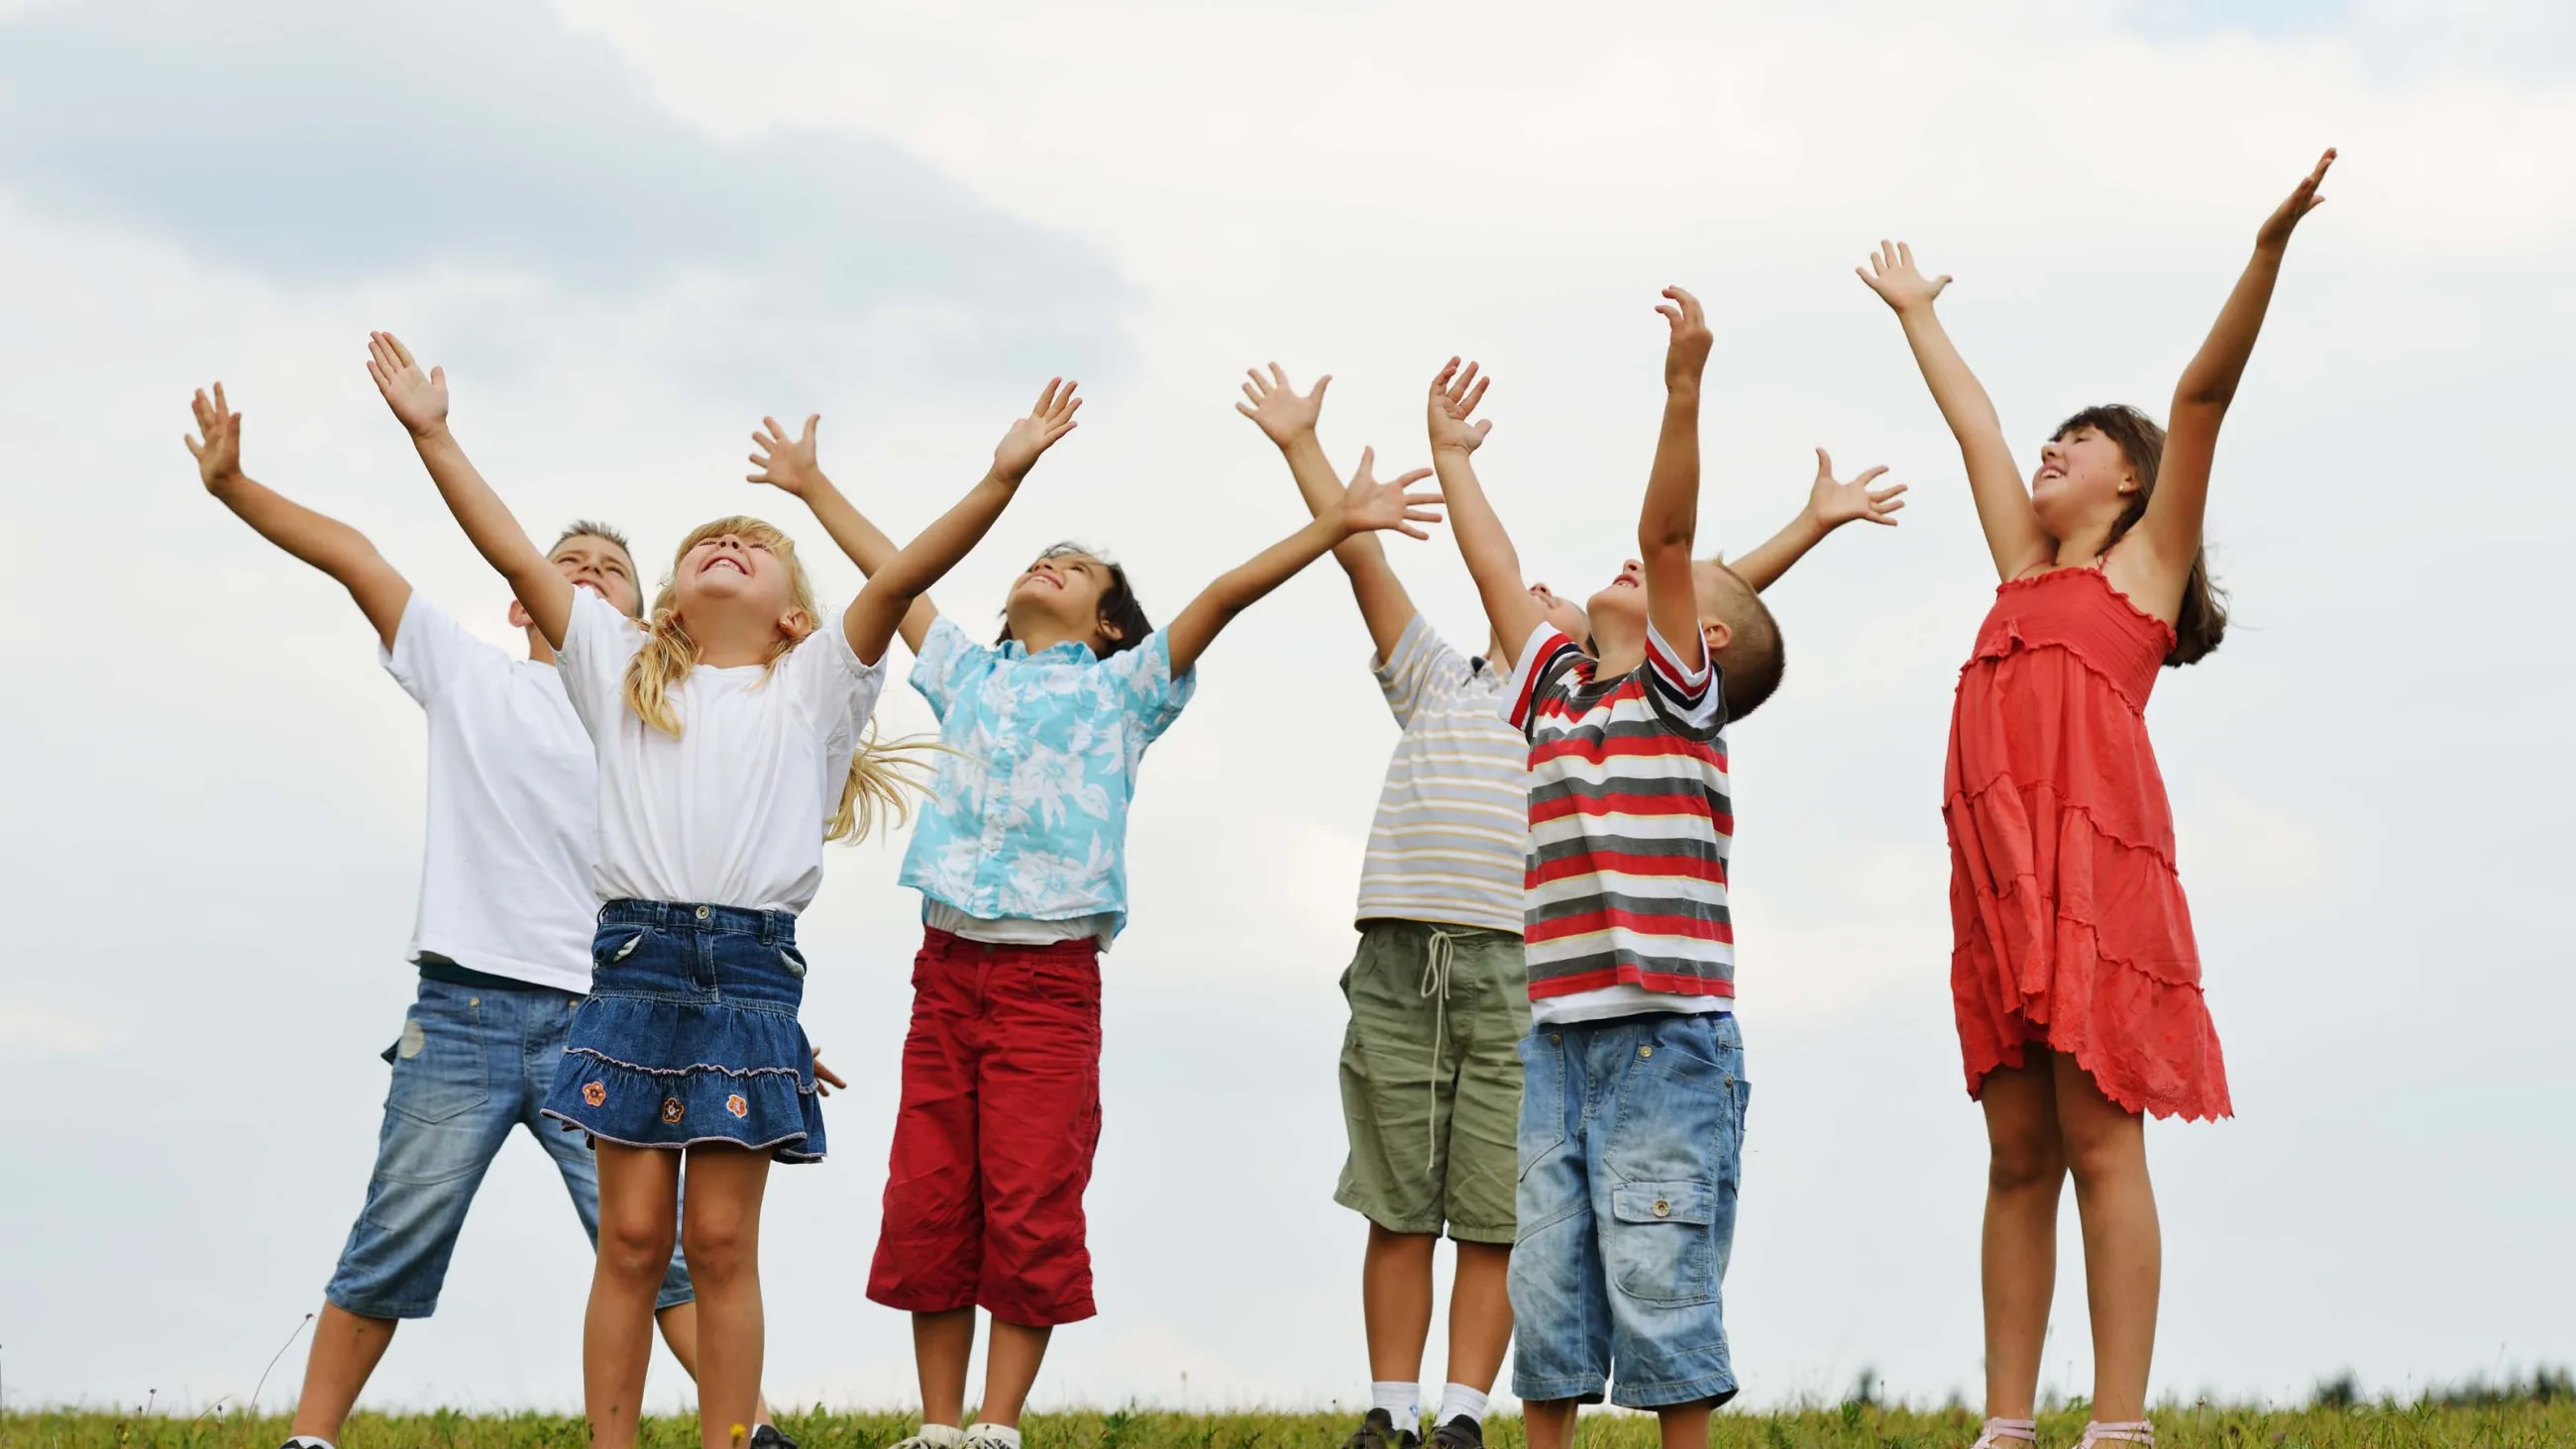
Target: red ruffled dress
<point>2070,924</point>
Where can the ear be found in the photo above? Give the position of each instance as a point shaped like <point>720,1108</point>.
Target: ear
<point>519,616</point>
<point>796,624</point>
<point>1715,635</point>
<point>1112,632</point>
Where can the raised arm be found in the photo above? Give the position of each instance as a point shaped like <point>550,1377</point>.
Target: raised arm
<point>893,590</point>
<point>1482,542</point>
<point>2171,525</point>
<point>420,400</point>
<point>1367,505</point>
<point>1831,503</point>
<point>1288,419</point>
<point>2013,533</point>
<point>1668,522</point>
<point>326,543</point>
<point>788,465</point>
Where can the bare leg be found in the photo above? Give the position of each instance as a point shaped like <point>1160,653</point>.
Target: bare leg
<point>720,1237</point>
<point>1480,1314</point>
<point>1684,1426</point>
<point>346,1349</point>
<point>1549,1425</point>
<point>1012,1354</point>
<point>2025,1173</point>
<point>639,1211</point>
<point>2106,1145</point>
<point>1395,1302</point>
<point>680,1330</point>
<point>942,1343</point>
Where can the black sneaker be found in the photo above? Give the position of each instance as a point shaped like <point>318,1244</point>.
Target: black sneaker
<point>1459,1433</point>
<point>769,1436</point>
<point>1378,1431</point>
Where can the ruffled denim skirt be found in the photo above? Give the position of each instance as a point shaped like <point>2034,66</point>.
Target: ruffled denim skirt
<point>689,1034</point>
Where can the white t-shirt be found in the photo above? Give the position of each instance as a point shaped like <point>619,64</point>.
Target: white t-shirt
<point>513,806</point>
<point>732,812</point>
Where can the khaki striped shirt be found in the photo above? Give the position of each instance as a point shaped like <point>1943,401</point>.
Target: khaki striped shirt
<point>1452,833</point>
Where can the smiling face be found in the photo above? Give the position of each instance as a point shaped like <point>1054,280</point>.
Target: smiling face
<point>2085,480</point>
<point>1059,597</point>
<point>601,566</point>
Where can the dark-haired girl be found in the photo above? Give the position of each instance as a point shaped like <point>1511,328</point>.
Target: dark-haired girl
<point>1021,861</point>
<point>2076,980</point>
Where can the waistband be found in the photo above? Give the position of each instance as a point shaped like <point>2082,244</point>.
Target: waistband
<point>770,926</point>
<point>937,942</point>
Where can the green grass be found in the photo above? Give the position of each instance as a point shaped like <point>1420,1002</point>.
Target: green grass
<point>2517,1424</point>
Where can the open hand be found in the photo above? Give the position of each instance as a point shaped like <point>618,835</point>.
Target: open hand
<point>785,463</point>
<point>418,398</point>
<point>1892,275</point>
<point>217,448</point>
<point>1031,436</point>
<point>2304,199</point>
<point>825,1079</point>
<point>1454,395</point>
<point>1283,413</point>
<point>1368,504</point>
<point>1833,503</point>
<point>1687,355</point>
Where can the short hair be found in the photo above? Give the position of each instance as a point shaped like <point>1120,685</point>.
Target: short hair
<point>1754,659</point>
<point>593,528</point>
<point>1119,610</point>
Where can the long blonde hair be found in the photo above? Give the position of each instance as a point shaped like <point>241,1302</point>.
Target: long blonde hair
<point>883,776</point>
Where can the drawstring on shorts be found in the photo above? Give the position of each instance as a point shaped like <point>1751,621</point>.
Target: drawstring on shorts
<point>1437,957</point>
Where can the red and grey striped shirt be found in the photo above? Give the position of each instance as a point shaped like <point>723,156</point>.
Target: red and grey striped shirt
<point>1629,826</point>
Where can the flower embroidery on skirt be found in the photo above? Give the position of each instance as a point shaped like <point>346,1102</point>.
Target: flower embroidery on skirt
<point>594,1092</point>
<point>672,1110</point>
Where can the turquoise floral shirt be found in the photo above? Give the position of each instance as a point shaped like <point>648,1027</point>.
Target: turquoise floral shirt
<point>1027,819</point>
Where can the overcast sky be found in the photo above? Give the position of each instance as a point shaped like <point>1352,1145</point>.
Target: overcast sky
<point>628,230</point>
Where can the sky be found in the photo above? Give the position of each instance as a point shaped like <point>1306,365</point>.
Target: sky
<point>629,230</point>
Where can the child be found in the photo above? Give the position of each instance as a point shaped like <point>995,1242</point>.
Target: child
<point>1021,861</point>
<point>1430,1074</point>
<point>728,736</point>
<point>1623,1234</point>
<point>500,938</point>
<point>2076,980</point>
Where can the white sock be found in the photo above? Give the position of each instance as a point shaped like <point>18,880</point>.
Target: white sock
<point>1458,1401</point>
<point>946,1436</point>
<point>1402,1402</point>
<point>308,1441</point>
<point>994,1433</point>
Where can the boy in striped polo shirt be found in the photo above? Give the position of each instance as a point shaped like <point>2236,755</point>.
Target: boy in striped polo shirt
<point>1431,1075</point>
<point>1632,1107</point>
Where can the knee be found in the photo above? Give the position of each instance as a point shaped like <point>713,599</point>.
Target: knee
<point>2025,1161</point>
<point>2116,1151</point>
<point>635,1244</point>
<point>718,1245</point>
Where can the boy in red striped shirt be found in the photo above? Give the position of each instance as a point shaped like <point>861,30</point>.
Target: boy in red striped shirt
<point>1627,1211</point>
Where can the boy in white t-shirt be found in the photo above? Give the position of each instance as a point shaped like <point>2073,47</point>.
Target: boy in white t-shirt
<point>502,939</point>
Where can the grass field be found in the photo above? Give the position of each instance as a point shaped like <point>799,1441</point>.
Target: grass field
<point>2519,1424</point>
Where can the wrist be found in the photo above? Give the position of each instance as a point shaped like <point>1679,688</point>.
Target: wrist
<point>1680,391</point>
<point>434,431</point>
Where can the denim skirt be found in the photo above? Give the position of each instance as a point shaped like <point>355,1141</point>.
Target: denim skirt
<point>689,1034</point>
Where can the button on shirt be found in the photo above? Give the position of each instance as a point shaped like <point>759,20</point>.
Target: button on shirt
<point>1028,817</point>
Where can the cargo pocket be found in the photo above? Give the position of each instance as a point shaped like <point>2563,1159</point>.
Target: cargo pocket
<point>1661,1250</point>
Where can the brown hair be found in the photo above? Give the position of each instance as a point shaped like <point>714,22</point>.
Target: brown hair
<point>881,775</point>
<point>1755,658</point>
<point>2202,621</point>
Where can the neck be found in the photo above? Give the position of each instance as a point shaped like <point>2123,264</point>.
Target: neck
<point>1621,650</point>
<point>1038,633</point>
<point>731,643</point>
<point>1494,647</point>
<point>2083,548</point>
<point>539,650</point>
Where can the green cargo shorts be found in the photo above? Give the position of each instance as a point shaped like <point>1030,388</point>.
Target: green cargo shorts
<point>1431,1079</point>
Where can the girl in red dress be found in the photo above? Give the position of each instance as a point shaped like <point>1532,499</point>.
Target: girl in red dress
<point>2077,984</point>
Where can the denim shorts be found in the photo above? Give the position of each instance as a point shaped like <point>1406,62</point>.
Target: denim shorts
<point>689,1034</point>
<point>472,1063</point>
<point>1631,1143</point>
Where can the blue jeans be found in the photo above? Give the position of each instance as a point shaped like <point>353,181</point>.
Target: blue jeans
<point>473,1062</point>
<point>1631,1144</point>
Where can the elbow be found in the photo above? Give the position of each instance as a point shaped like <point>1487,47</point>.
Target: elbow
<point>1666,536</point>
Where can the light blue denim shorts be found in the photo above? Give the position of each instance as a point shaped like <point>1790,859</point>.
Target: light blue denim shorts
<point>1631,1145</point>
